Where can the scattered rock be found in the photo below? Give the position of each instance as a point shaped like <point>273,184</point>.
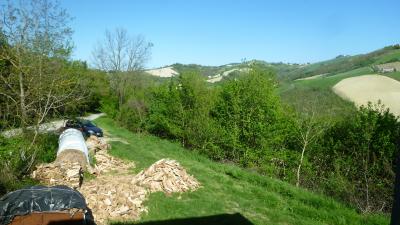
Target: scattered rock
<point>168,176</point>
<point>96,144</point>
<point>114,198</point>
<point>106,163</point>
<point>59,173</point>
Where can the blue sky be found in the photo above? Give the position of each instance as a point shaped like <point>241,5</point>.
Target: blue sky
<point>217,32</point>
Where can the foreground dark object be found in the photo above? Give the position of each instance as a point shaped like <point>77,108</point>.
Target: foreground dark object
<point>222,219</point>
<point>44,205</point>
<point>396,201</point>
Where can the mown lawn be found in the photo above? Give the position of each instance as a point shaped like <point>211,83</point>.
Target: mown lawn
<point>228,189</point>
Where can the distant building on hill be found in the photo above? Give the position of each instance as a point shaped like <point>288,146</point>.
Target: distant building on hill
<point>388,67</point>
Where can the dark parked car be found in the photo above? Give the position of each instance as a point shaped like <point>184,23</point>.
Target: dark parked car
<point>87,127</point>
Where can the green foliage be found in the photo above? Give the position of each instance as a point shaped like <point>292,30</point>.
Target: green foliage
<point>250,115</point>
<point>227,188</point>
<point>242,120</point>
<point>358,155</point>
<point>17,159</point>
<point>180,110</point>
<point>346,63</point>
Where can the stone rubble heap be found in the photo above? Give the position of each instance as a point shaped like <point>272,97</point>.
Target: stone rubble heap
<point>114,198</point>
<point>168,176</point>
<point>115,193</point>
<point>64,173</point>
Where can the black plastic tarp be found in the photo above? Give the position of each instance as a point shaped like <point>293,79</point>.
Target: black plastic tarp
<point>41,199</point>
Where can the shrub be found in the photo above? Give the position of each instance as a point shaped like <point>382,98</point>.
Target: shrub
<point>249,112</point>
<point>17,160</point>
<point>180,110</point>
<point>359,152</point>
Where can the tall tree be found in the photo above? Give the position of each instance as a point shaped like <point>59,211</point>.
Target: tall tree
<point>119,51</point>
<point>37,47</point>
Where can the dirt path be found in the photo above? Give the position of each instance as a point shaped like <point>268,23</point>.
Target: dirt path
<point>371,88</point>
<point>48,127</point>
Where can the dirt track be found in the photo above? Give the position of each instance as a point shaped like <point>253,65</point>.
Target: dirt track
<point>51,126</point>
<point>371,88</point>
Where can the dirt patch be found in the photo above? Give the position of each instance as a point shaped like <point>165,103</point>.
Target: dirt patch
<point>371,88</point>
<point>163,72</point>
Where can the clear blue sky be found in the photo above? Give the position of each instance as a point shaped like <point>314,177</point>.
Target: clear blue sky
<point>217,32</point>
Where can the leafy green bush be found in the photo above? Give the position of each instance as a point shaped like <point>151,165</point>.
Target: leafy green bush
<point>251,117</point>
<point>18,157</point>
<point>180,110</point>
<point>358,154</point>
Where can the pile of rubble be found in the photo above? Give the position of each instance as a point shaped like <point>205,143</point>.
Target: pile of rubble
<point>168,176</point>
<point>115,194</point>
<point>95,144</point>
<point>114,198</point>
<point>106,163</point>
<point>59,173</point>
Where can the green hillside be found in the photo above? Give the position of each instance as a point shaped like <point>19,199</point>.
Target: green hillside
<point>282,69</point>
<point>227,188</point>
<point>342,63</point>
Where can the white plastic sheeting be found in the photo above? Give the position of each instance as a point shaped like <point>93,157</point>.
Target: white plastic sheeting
<point>72,139</point>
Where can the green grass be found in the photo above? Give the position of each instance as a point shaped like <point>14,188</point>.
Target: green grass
<point>395,75</point>
<point>318,92</point>
<point>394,55</point>
<point>228,189</point>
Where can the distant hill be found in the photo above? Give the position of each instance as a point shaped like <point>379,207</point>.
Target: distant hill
<point>344,63</point>
<point>290,71</point>
<point>217,73</point>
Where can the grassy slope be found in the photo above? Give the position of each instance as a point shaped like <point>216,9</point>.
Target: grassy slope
<point>318,92</point>
<point>347,63</point>
<point>229,189</point>
<point>395,75</point>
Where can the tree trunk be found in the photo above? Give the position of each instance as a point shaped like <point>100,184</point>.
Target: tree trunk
<point>301,162</point>
<point>22,101</point>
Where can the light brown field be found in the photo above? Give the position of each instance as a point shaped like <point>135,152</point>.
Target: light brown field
<point>371,88</point>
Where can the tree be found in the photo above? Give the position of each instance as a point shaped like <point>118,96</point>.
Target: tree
<point>360,152</point>
<point>38,79</point>
<point>121,52</point>
<point>250,115</point>
<point>309,127</point>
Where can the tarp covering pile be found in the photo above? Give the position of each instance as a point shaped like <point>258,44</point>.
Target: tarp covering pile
<point>42,199</point>
<point>168,176</point>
